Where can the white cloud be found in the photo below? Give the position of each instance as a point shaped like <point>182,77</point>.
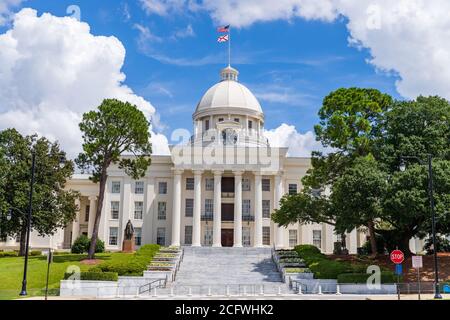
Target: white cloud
<point>409,38</point>
<point>162,7</point>
<point>52,70</point>
<point>184,33</point>
<point>240,13</point>
<point>300,145</point>
<point>6,7</point>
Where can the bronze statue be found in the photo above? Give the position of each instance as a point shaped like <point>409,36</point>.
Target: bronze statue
<point>129,231</point>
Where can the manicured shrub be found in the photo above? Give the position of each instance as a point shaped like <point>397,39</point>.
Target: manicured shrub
<point>386,277</point>
<point>99,276</point>
<point>329,269</point>
<point>8,254</point>
<point>297,270</point>
<point>35,253</point>
<point>307,249</point>
<point>82,244</point>
<point>135,266</point>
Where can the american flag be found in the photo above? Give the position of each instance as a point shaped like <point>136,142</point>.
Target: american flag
<point>223,29</point>
<point>223,38</point>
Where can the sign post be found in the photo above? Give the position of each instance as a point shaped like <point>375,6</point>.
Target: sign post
<point>398,257</point>
<point>417,263</point>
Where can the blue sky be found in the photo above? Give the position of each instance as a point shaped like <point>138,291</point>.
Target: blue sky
<point>289,65</point>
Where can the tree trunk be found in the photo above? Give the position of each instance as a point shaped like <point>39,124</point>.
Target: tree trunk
<point>98,213</point>
<point>404,245</point>
<point>23,240</point>
<point>372,238</point>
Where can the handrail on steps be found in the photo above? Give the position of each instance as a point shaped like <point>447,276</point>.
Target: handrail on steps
<point>157,283</point>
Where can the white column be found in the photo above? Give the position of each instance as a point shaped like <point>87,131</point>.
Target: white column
<point>92,211</point>
<point>217,224</point>
<point>279,231</point>
<point>258,210</point>
<point>176,208</point>
<point>196,228</point>
<point>353,242</point>
<point>238,209</point>
<point>76,222</point>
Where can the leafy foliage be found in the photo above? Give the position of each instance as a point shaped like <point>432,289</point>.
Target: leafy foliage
<point>53,207</point>
<point>111,133</point>
<point>359,183</point>
<point>82,244</point>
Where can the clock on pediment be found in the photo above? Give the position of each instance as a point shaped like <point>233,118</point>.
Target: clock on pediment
<point>229,136</point>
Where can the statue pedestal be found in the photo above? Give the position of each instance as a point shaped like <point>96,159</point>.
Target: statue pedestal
<point>128,246</point>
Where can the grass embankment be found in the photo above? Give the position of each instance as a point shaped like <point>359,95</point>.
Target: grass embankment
<point>11,271</point>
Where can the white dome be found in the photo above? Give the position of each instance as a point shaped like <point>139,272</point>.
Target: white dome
<point>229,94</point>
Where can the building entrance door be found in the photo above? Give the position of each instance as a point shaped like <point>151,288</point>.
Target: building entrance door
<point>227,237</point>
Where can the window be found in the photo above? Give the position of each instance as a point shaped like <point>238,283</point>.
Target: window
<point>206,125</point>
<point>246,207</point>
<point>189,183</point>
<point>220,119</point>
<point>189,209</point>
<point>161,236</point>
<point>292,238</point>
<point>209,184</point>
<point>115,187</point>
<point>138,210</point>
<point>188,235</point>
<point>115,210</point>
<point>139,187</point>
<point>317,238</point>
<point>162,210</point>
<point>86,213</point>
<point>236,119</point>
<point>250,124</point>
<point>266,236</point>
<point>292,188</point>
<point>137,236</point>
<point>113,236</point>
<point>209,207</point>
<point>162,187</point>
<point>266,208</point>
<point>265,184</point>
<point>245,184</point>
<point>208,236</point>
<point>246,236</point>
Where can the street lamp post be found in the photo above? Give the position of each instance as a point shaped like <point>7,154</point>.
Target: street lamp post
<point>437,294</point>
<point>23,292</point>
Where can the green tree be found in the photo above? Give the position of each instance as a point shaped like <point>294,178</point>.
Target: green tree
<point>53,207</point>
<point>357,197</point>
<point>369,133</point>
<point>349,117</point>
<point>110,133</point>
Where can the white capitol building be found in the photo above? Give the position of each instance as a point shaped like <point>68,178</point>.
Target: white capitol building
<point>217,189</point>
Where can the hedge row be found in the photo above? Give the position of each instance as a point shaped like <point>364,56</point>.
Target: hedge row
<point>33,253</point>
<point>386,277</point>
<point>90,275</point>
<point>133,267</point>
<point>322,267</point>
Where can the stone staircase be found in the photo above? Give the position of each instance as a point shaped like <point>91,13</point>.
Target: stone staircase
<point>208,271</point>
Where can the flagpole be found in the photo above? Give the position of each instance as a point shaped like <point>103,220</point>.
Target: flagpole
<point>229,46</point>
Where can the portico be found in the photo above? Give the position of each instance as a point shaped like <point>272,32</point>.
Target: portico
<point>227,213</point>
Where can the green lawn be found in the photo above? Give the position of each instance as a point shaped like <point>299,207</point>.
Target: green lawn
<point>11,272</point>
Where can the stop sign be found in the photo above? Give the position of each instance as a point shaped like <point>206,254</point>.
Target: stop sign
<point>397,256</point>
